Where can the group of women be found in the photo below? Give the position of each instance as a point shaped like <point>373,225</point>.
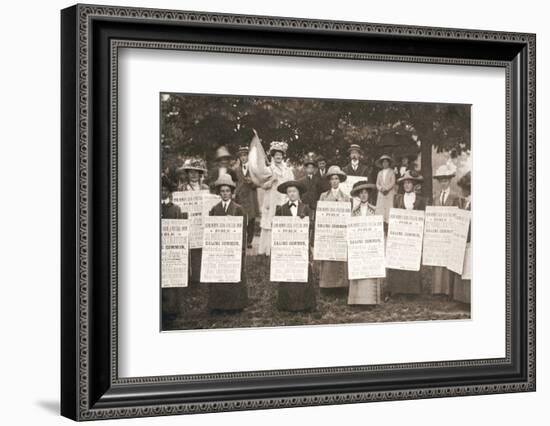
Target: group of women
<point>282,195</point>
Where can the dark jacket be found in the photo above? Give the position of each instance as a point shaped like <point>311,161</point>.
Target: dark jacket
<point>246,194</point>
<point>324,184</point>
<point>452,199</point>
<point>362,170</point>
<point>233,209</point>
<point>313,187</point>
<point>419,202</point>
<point>172,211</point>
<point>284,210</point>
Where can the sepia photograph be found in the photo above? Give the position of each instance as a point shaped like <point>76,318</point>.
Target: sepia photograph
<point>279,211</point>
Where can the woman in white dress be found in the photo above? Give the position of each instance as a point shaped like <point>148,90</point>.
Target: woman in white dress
<point>366,291</point>
<point>385,183</point>
<point>280,173</point>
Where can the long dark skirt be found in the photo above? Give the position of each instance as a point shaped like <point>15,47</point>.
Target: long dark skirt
<point>461,289</point>
<point>442,281</point>
<point>403,282</point>
<point>296,297</point>
<point>228,296</point>
<point>195,266</point>
<point>333,274</point>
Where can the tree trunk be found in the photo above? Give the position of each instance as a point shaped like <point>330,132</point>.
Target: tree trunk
<point>426,164</point>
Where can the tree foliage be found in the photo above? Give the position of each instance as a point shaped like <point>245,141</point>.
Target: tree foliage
<point>198,124</point>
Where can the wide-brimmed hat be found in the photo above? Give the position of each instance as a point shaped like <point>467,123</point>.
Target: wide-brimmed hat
<point>355,147</point>
<point>310,159</point>
<point>410,175</point>
<point>224,179</point>
<point>335,170</point>
<point>285,185</point>
<point>465,181</point>
<point>243,148</point>
<point>359,186</point>
<point>379,162</point>
<point>444,172</point>
<point>193,164</point>
<point>278,146</point>
<point>223,152</point>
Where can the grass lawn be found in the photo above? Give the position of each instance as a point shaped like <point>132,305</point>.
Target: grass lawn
<point>331,308</point>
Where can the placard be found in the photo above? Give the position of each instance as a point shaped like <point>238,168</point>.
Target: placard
<point>289,249</point>
<point>404,244</point>
<point>365,238</point>
<point>467,268</point>
<point>197,205</point>
<point>459,237</point>
<point>330,230</point>
<point>174,252</point>
<point>439,226</point>
<point>222,249</point>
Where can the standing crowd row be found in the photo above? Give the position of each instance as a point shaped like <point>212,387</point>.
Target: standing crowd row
<point>281,194</point>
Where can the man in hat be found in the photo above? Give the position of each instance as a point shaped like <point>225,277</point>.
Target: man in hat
<point>246,193</point>
<point>312,183</point>
<point>320,173</point>
<point>442,278</point>
<point>356,167</point>
<point>223,160</point>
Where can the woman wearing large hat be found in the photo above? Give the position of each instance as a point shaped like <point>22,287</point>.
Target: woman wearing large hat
<point>280,173</point>
<point>296,296</point>
<point>193,170</point>
<point>442,278</point>
<point>228,296</point>
<point>385,183</point>
<point>398,281</point>
<point>365,291</point>
<point>333,274</point>
<point>462,286</point>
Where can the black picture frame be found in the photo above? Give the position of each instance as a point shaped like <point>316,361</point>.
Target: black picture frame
<point>90,386</point>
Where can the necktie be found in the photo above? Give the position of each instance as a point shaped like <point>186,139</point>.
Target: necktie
<point>442,198</point>
<point>292,205</point>
<point>225,207</point>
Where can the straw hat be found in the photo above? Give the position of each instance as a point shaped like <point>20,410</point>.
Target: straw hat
<point>410,175</point>
<point>193,164</point>
<point>278,146</point>
<point>444,172</point>
<point>222,152</point>
<point>359,186</point>
<point>297,184</point>
<point>379,162</point>
<point>355,147</point>
<point>224,180</point>
<point>335,170</point>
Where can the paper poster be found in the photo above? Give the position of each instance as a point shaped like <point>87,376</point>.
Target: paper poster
<point>458,241</point>
<point>330,230</point>
<point>174,252</point>
<point>404,244</point>
<point>222,249</point>
<point>365,237</point>
<point>197,205</point>
<point>438,235</point>
<point>289,249</point>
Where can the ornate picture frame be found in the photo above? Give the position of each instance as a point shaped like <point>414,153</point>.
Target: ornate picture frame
<point>91,37</point>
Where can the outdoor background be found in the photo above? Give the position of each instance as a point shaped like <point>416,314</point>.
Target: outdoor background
<point>430,134</point>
